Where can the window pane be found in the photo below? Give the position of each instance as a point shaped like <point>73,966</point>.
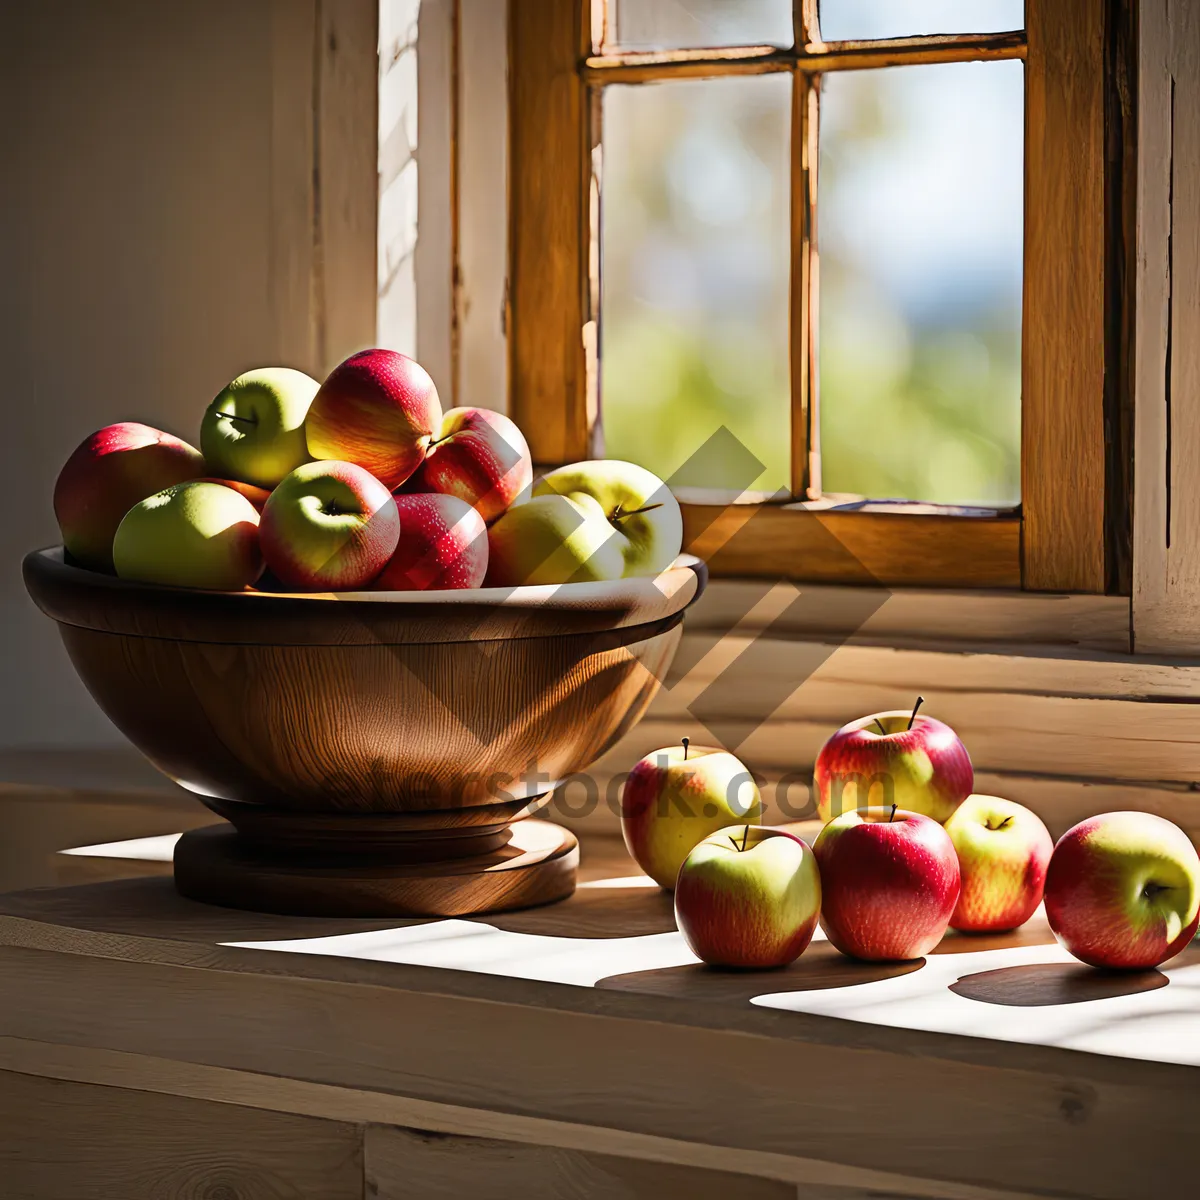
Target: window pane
<point>685,24</point>
<point>920,235</point>
<point>694,329</point>
<point>852,20</point>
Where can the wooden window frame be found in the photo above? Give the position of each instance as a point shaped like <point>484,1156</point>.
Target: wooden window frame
<point>1071,531</point>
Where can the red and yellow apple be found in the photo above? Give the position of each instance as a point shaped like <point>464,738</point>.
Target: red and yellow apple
<point>676,797</point>
<point>1123,890</point>
<point>254,430</point>
<point>196,535</point>
<point>329,526</point>
<point>256,495</point>
<point>443,544</point>
<point>748,896</point>
<point>599,520</point>
<point>378,410</point>
<point>108,474</point>
<point>889,883</point>
<point>481,457</point>
<point>1003,851</point>
<point>901,758</point>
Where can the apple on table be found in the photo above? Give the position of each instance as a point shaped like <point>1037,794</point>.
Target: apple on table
<point>748,896</point>
<point>329,526</point>
<point>1123,890</point>
<point>676,797</point>
<point>889,883</point>
<point>378,410</point>
<point>108,473</point>
<point>1003,851</point>
<point>592,521</point>
<point>904,758</point>
<point>253,431</point>
<point>197,534</point>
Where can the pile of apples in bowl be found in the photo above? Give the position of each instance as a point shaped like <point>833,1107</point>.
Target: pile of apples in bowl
<point>885,881</point>
<point>361,482</point>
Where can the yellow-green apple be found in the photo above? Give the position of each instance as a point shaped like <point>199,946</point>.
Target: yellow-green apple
<point>329,526</point>
<point>443,544</point>
<point>748,896</point>
<point>1123,890</point>
<point>479,456</point>
<point>378,410</point>
<point>901,758</point>
<point>676,797</point>
<point>1003,850</point>
<point>598,520</point>
<point>254,430</point>
<point>889,883</point>
<point>196,535</point>
<point>107,474</point>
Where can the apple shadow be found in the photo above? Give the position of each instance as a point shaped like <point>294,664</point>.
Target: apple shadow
<point>819,968</point>
<point>1035,932</point>
<point>608,912</point>
<point>1042,984</point>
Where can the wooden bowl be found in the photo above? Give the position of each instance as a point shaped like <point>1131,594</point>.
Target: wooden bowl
<point>403,732</point>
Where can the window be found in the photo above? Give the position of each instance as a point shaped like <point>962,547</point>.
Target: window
<point>700,198</point>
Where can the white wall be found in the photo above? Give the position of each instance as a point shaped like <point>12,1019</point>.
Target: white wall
<point>152,151</point>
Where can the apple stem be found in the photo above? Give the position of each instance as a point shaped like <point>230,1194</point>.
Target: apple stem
<point>913,715</point>
<point>618,515</point>
<point>235,417</point>
<point>881,728</point>
<point>685,746</point>
<point>892,814</point>
<point>745,835</point>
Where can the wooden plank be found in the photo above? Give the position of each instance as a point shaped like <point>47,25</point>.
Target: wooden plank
<point>93,1143</point>
<point>403,1163</point>
<point>548,198</point>
<point>917,616</point>
<point>804,290</point>
<point>1166,593</point>
<point>1062,423</point>
<point>347,199</point>
<point>769,541</point>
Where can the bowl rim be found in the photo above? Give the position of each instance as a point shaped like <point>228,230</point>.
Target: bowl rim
<point>75,596</point>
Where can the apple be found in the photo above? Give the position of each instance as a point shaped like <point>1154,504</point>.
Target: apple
<point>254,430</point>
<point>481,457</point>
<point>329,526</point>
<point>676,797</point>
<point>378,410</point>
<point>108,473</point>
<point>598,520</point>
<point>915,762</point>
<point>256,495</point>
<point>1003,850</point>
<point>443,544</point>
<point>889,883</point>
<point>195,535</point>
<point>748,896</point>
<point>1123,890</point>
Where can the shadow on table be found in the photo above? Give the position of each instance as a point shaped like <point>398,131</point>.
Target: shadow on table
<point>820,967</point>
<point>1040,984</point>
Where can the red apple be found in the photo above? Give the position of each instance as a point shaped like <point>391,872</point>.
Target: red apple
<point>479,456</point>
<point>914,762</point>
<point>748,897</point>
<point>443,544</point>
<point>329,526</point>
<point>109,472</point>
<point>1003,850</point>
<point>676,797</point>
<point>889,882</point>
<point>378,410</point>
<point>1123,890</point>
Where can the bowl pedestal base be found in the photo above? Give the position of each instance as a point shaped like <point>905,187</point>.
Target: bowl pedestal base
<point>528,863</point>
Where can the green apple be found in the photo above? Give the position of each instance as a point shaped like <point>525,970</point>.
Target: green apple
<point>254,430</point>
<point>748,897</point>
<point>197,535</point>
<point>676,797</point>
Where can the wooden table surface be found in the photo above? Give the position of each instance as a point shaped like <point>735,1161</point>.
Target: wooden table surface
<point>583,1042</point>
